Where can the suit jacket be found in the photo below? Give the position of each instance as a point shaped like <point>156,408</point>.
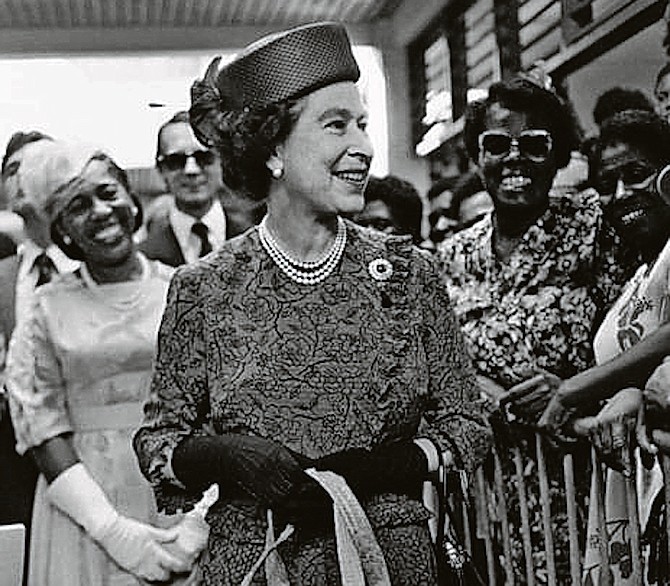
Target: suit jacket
<point>17,474</point>
<point>7,246</point>
<point>161,243</point>
<point>9,271</point>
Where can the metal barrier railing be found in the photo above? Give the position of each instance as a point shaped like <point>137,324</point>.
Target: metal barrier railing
<point>499,540</point>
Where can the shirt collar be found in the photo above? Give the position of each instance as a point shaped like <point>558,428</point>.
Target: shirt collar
<point>28,251</point>
<point>214,219</point>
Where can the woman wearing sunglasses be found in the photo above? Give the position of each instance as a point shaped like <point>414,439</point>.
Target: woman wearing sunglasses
<point>523,279</point>
<point>633,338</point>
<point>77,374</point>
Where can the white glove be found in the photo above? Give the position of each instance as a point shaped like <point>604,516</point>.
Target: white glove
<point>136,547</point>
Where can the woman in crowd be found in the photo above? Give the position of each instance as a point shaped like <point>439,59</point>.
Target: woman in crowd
<point>523,279</point>
<point>78,372</point>
<point>307,341</point>
<point>635,334</point>
<point>393,206</point>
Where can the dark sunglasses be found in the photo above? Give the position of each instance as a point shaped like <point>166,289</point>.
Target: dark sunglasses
<point>535,145</point>
<point>177,161</point>
<point>634,178</point>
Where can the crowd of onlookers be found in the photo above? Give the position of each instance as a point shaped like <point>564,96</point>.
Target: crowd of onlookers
<point>554,250</point>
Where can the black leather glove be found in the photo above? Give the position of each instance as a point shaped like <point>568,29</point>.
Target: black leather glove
<point>398,468</point>
<point>259,468</point>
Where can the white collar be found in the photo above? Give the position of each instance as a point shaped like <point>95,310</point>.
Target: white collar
<point>28,251</point>
<point>214,219</point>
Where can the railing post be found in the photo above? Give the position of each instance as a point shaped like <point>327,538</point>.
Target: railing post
<point>604,573</point>
<point>665,463</point>
<point>545,500</point>
<point>571,509</point>
<point>525,521</point>
<point>504,522</point>
<point>486,522</point>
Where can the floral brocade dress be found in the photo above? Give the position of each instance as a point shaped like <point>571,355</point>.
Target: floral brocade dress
<point>82,364</point>
<point>536,310</point>
<point>350,362</point>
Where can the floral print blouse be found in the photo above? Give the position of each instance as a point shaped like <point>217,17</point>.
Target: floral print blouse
<point>539,308</point>
<point>362,358</point>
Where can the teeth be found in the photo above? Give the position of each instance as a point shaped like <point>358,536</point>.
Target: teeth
<point>631,216</point>
<point>515,181</point>
<point>107,233</point>
<point>354,176</point>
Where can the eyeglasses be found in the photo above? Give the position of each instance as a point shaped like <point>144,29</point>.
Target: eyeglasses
<point>535,145</point>
<point>633,177</point>
<point>177,161</point>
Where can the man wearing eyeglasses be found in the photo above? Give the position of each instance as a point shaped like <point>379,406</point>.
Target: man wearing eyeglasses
<point>193,223</point>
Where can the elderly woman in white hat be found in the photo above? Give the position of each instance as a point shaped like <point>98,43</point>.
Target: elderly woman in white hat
<point>77,374</point>
<point>307,346</point>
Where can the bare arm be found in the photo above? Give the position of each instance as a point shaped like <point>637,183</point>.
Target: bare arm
<point>631,368</point>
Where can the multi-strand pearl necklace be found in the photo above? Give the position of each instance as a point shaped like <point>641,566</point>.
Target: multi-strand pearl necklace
<point>300,271</point>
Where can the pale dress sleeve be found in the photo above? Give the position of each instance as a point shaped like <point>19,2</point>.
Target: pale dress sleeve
<point>35,385</point>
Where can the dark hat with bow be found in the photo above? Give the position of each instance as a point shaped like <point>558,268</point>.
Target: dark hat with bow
<point>284,65</point>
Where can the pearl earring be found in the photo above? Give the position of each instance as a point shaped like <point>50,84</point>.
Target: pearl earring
<point>277,172</point>
<point>133,211</point>
<point>66,239</point>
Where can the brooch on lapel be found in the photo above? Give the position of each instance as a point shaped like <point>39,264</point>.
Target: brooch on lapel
<point>380,269</point>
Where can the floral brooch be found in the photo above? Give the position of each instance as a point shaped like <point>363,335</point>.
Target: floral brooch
<point>380,269</point>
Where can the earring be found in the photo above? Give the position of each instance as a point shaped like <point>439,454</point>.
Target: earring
<point>67,240</point>
<point>277,172</point>
<point>133,211</point>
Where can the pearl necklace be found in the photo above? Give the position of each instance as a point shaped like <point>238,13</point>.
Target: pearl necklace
<point>300,271</point>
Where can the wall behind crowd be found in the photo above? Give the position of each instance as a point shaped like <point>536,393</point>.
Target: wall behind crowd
<point>633,63</point>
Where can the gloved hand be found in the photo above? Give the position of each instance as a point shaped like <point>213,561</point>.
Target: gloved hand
<point>399,467</point>
<point>136,547</point>
<point>308,508</point>
<point>140,548</point>
<point>260,468</point>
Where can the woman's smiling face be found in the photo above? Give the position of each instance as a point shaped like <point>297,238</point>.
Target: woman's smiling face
<point>100,218</point>
<point>518,179</point>
<point>326,157</point>
<point>626,175</point>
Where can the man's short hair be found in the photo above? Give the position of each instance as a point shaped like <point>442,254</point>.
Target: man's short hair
<point>20,139</point>
<point>178,118</point>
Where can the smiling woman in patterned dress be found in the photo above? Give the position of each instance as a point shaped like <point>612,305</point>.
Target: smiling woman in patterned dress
<point>307,342</point>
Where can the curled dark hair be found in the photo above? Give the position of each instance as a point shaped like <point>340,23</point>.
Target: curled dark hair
<point>70,248</point>
<point>619,99</point>
<point>642,129</point>
<point>402,200</point>
<point>522,95</point>
<point>246,139</point>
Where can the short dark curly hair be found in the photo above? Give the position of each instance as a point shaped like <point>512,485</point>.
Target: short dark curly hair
<point>402,200</point>
<point>641,129</point>
<point>522,95</point>
<point>619,99</point>
<point>246,139</point>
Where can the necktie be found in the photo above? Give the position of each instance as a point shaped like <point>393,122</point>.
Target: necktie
<point>201,231</point>
<point>45,268</point>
